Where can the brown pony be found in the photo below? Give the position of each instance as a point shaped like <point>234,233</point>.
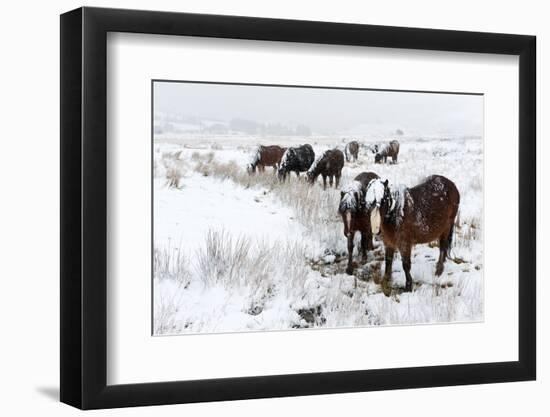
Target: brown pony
<point>408,216</point>
<point>355,216</point>
<point>329,165</point>
<point>352,151</point>
<point>383,152</point>
<point>266,156</point>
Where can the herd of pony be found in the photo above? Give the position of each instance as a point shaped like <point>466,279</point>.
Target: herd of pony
<point>369,205</point>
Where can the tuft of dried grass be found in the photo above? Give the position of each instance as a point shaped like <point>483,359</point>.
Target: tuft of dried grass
<point>171,263</point>
<point>173,177</point>
<point>237,262</point>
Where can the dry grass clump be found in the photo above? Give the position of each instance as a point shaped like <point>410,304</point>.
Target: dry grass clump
<point>172,167</point>
<point>225,259</point>
<point>165,320</point>
<point>238,263</point>
<point>171,263</point>
<point>173,177</point>
<point>468,231</point>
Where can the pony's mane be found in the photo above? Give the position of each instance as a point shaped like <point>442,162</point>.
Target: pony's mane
<point>375,191</point>
<point>400,197</point>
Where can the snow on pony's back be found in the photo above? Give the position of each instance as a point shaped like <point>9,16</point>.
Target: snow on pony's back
<point>315,163</point>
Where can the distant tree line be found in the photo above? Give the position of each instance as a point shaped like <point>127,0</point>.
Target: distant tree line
<point>250,127</point>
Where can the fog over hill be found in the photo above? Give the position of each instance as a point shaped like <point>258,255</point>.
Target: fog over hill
<point>222,108</point>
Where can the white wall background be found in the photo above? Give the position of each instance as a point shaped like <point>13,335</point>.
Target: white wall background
<point>29,164</point>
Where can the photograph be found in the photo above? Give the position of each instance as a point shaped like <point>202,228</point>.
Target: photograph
<point>293,207</point>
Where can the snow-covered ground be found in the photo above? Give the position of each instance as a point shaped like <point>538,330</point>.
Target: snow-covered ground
<point>235,252</point>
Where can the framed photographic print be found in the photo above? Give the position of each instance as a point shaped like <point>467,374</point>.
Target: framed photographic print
<point>256,207</point>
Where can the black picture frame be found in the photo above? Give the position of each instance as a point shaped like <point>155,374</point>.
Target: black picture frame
<point>84,207</point>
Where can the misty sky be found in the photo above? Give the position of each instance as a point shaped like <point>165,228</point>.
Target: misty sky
<point>326,110</point>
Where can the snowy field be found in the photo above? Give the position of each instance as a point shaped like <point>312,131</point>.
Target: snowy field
<point>234,252</point>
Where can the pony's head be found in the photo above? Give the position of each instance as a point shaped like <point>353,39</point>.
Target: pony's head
<point>351,198</point>
<point>379,201</point>
<point>251,168</point>
<point>281,173</point>
<point>377,158</point>
<point>351,204</point>
<point>285,160</point>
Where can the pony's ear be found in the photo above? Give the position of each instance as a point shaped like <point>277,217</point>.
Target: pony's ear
<point>386,183</point>
<point>356,194</point>
<point>341,194</point>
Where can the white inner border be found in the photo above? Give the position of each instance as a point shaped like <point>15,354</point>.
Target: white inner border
<point>134,356</point>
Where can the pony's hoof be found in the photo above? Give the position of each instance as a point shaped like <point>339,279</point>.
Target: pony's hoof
<point>386,287</point>
<point>408,288</point>
<point>349,270</point>
<point>438,270</point>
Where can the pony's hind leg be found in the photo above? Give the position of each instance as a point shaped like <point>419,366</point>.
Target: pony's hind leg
<point>443,251</point>
<point>337,181</point>
<point>349,269</point>
<point>331,180</point>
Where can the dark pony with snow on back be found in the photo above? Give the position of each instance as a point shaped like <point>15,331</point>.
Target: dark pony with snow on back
<point>352,151</point>
<point>355,215</point>
<point>409,216</point>
<point>266,156</point>
<point>389,150</point>
<point>329,165</point>
<point>297,159</point>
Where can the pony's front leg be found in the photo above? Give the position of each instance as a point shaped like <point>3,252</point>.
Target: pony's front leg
<point>389,262</point>
<point>386,288</point>
<point>331,180</point>
<point>349,269</point>
<point>337,180</point>
<point>324,182</point>
<point>365,245</point>
<point>406,258</point>
<point>366,239</point>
